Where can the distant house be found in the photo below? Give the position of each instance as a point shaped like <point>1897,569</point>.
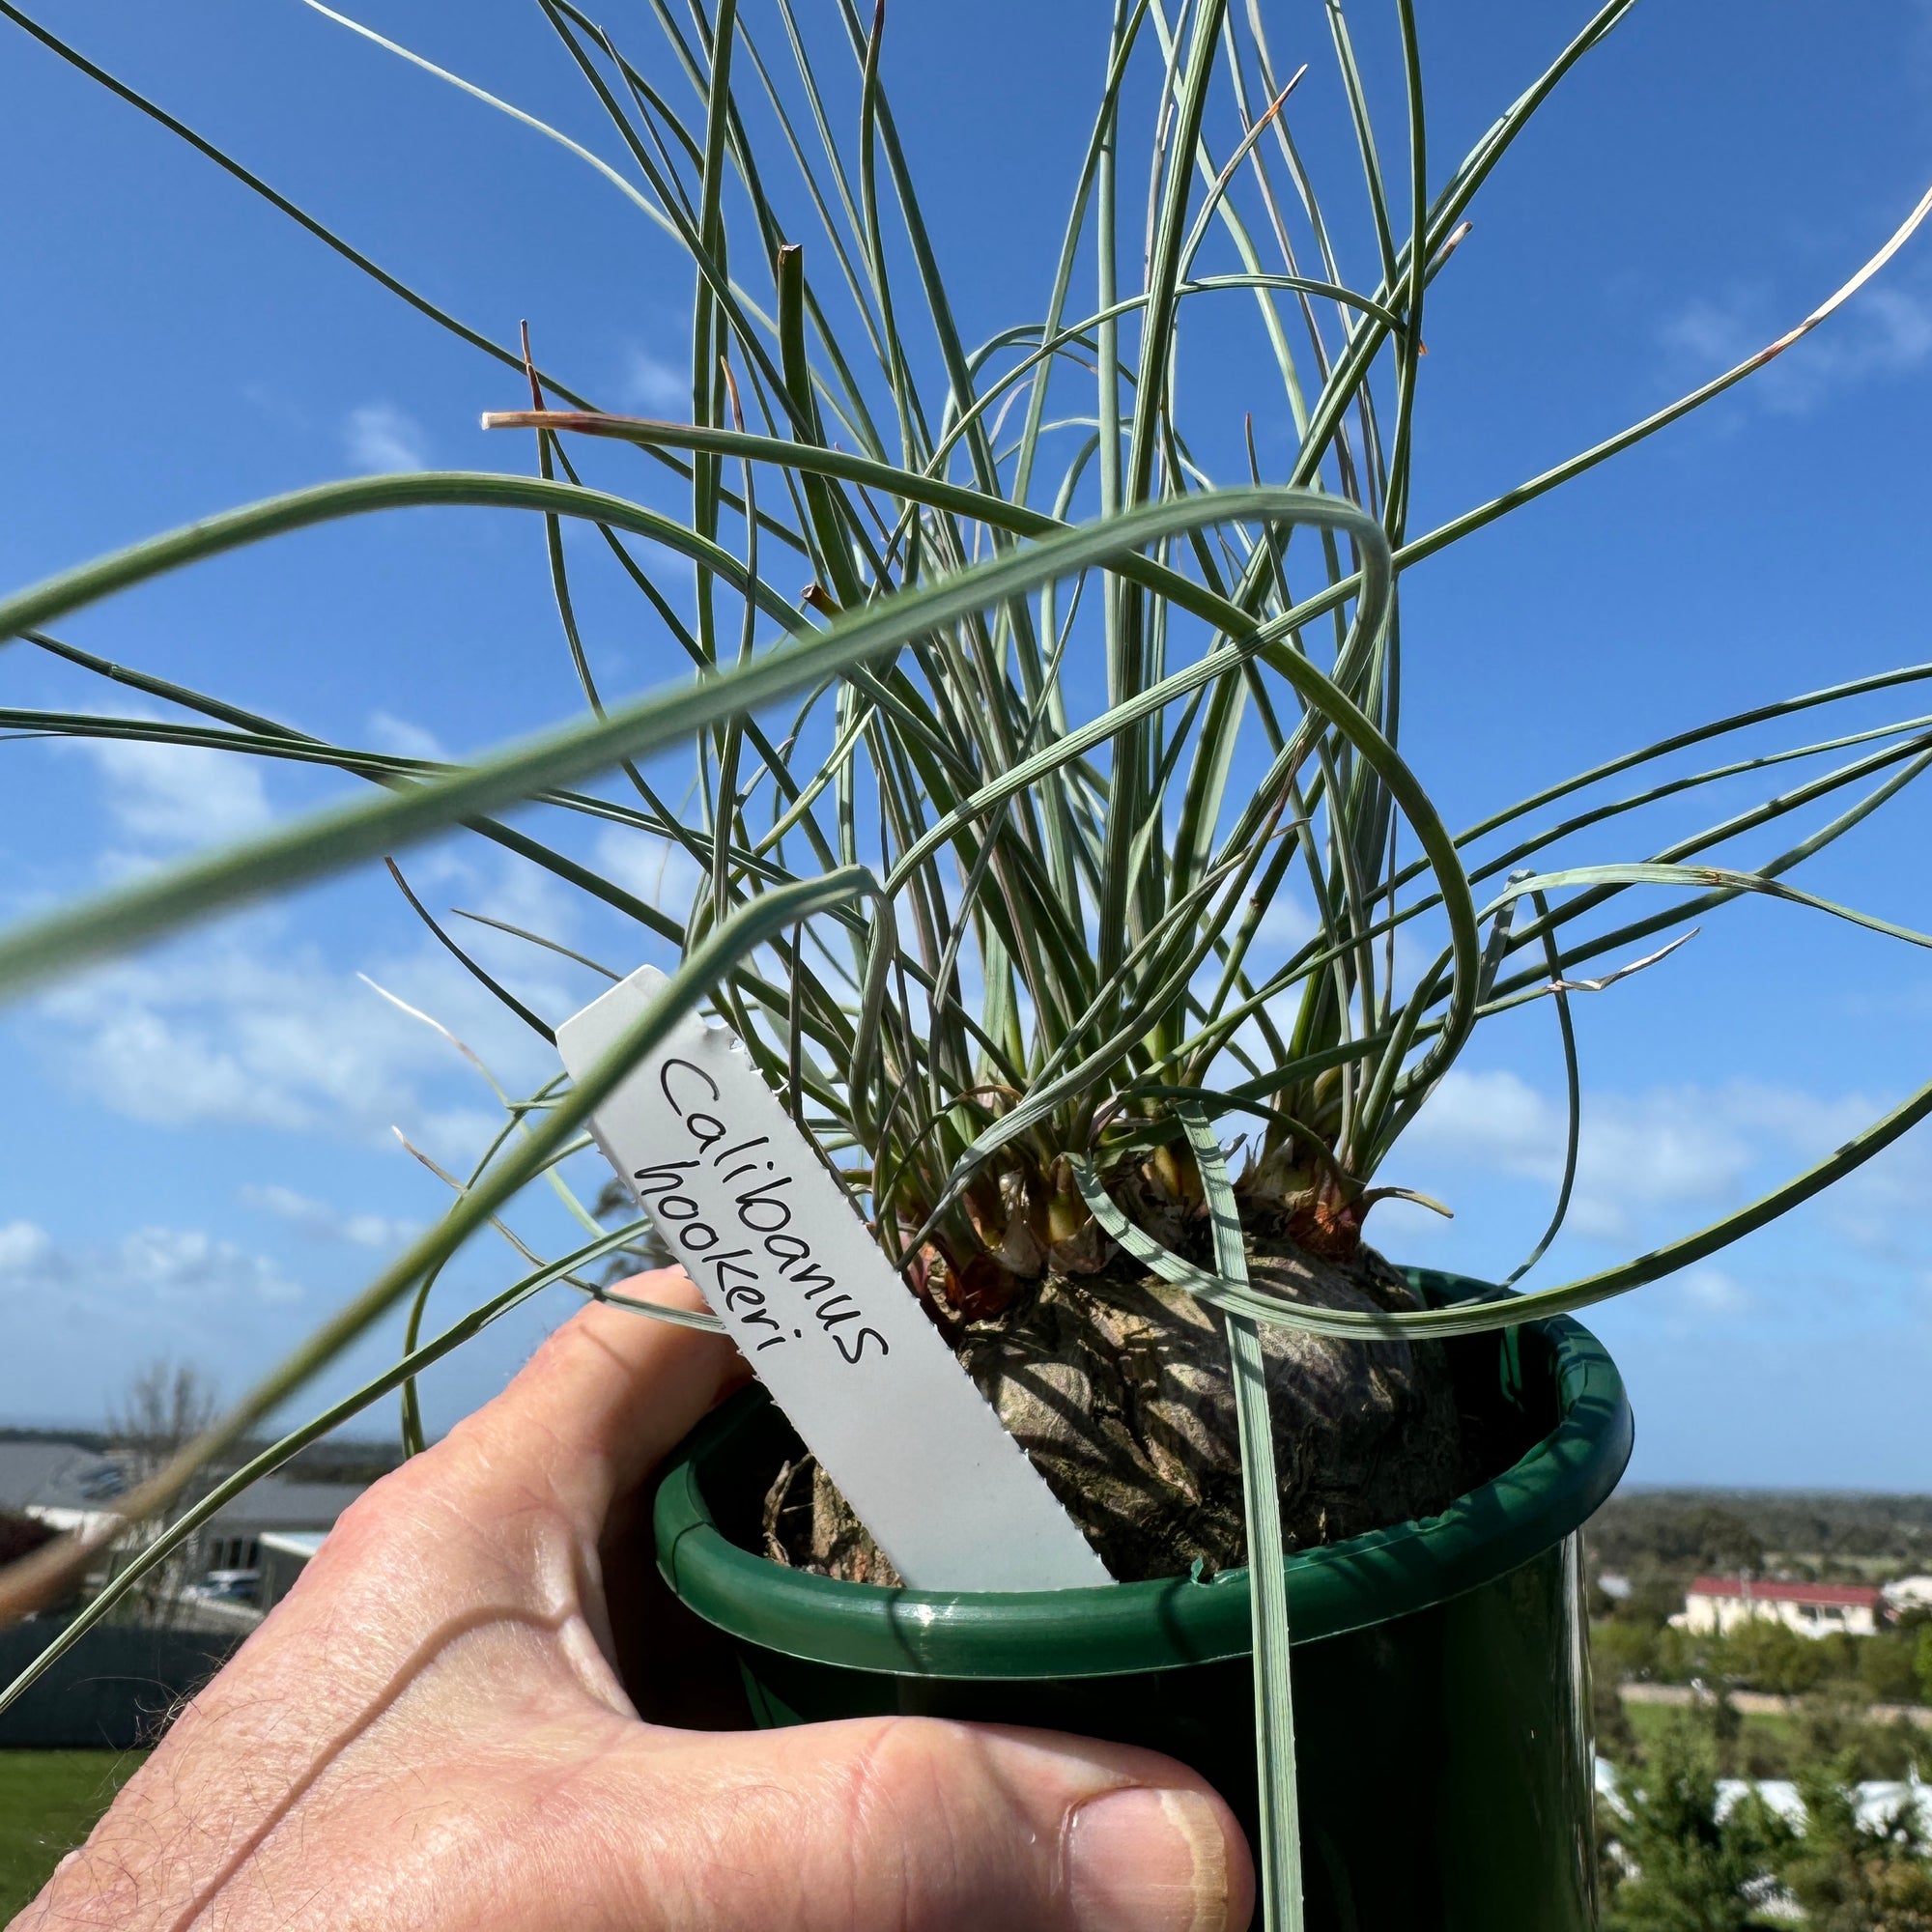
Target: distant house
<point>232,1538</point>
<point>62,1484</point>
<point>285,1555</point>
<point>68,1486</point>
<point>1877,1801</point>
<point>1910,1593</point>
<point>250,1552</point>
<point>1721,1604</point>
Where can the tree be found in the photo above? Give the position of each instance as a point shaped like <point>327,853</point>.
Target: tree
<point>1616,1735</point>
<point>1655,1595</point>
<point>1888,1667</point>
<point>165,1406</point>
<point>1724,1542</point>
<point>1924,1661</point>
<point>1761,1654</point>
<point>1624,1650</point>
<point>1834,1727</point>
<point>1681,1868</point>
<point>1853,1876</point>
<point>615,1202</point>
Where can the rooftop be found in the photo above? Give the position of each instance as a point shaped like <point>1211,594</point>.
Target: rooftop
<point>66,1476</point>
<point>56,1475</point>
<point>1842,1596</point>
<point>275,1503</point>
<point>304,1542</point>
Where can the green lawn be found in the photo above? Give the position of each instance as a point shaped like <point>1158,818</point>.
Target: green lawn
<point>48,1802</point>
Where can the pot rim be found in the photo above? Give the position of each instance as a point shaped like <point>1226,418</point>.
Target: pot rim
<point>1170,1622</point>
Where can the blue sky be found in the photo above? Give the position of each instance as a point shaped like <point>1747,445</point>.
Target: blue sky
<point>199,1158</point>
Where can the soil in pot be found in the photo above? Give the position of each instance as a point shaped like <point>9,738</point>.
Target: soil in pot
<point>1117,1385</point>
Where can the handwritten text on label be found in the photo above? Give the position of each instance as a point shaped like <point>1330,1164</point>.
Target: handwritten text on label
<point>777,1253</point>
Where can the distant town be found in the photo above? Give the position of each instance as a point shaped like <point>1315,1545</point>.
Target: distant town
<point>1761,1662</point>
<point>1765,1600</point>
<point>234,1567</point>
<point>1762,1677</point>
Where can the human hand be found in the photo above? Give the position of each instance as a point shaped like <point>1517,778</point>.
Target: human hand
<point>429,1733</point>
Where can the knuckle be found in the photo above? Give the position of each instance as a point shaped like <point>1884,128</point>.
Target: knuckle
<point>907,1798</point>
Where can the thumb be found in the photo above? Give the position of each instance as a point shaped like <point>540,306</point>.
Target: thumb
<point>916,1824</point>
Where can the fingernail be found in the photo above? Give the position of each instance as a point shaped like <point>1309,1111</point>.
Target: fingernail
<point>1141,1860</point>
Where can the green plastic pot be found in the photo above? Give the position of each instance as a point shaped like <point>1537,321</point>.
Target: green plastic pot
<point>1442,1666</point>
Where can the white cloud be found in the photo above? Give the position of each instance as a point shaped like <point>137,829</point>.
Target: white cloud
<point>224,1031</point>
<point>251,1024</point>
<point>401,739</point>
<point>1669,1147</point>
<point>379,436</point>
<point>22,1245</point>
<point>651,384</point>
<point>1496,1119</point>
<point>1655,1163</point>
<point>1287,925</point>
<point>146,1267</point>
<point>322,1221</point>
<point>1710,1291</point>
<point>654,869</point>
<point>174,795</point>
<point>1885,1208</point>
<point>1885,330</point>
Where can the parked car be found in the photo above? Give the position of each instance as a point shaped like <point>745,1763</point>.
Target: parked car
<point>226,1586</point>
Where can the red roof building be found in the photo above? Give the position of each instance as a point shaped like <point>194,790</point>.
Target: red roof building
<point>1811,1610</point>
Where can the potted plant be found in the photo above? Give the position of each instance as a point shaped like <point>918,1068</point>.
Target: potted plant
<point>991,820</point>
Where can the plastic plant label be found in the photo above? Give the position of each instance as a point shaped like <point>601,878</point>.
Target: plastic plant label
<point>743,1201</point>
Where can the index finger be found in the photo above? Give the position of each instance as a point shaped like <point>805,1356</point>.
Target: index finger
<point>602,1402</point>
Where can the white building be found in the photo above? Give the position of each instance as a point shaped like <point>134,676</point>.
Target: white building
<point>232,1538</point>
<point>1878,1800</point>
<point>284,1554</point>
<point>1721,1603</point>
<point>68,1486</point>
<point>59,1484</point>
<point>1910,1593</point>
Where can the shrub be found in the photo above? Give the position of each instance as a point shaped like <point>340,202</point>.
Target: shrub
<point>1675,1866</point>
<point>1760,1654</point>
<point>1850,1876</point>
<point>1654,1598</point>
<point>1833,1727</point>
<point>1680,1656</point>
<point>1623,1650</point>
<point>1897,1750</point>
<point>1889,1667</point>
<point>1616,1735</point>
